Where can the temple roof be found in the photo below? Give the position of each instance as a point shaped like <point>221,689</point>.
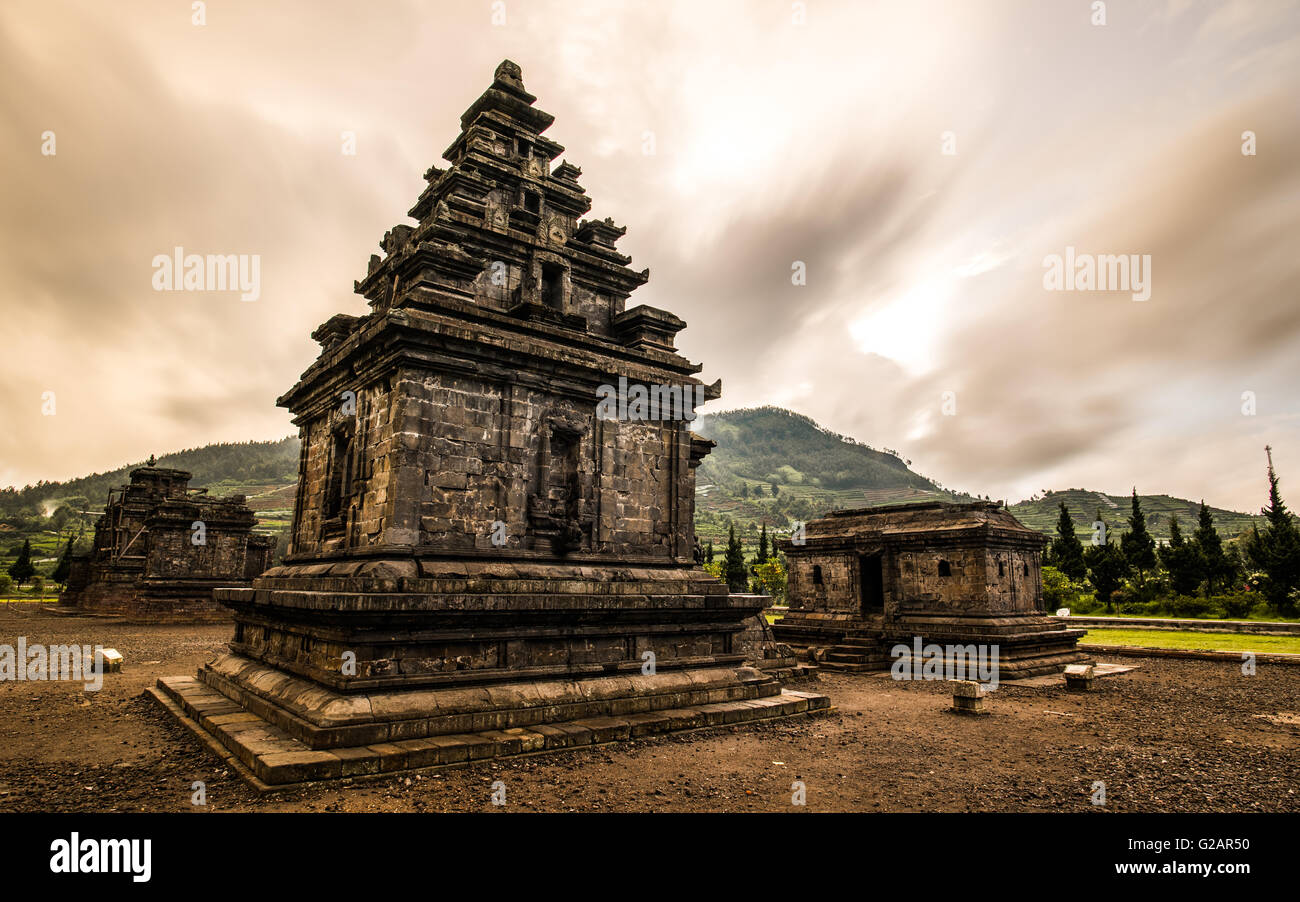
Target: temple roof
<point>916,519</point>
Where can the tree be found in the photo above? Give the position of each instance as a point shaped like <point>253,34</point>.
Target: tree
<point>64,567</point>
<point>1066,550</point>
<point>733,565</point>
<point>708,552</point>
<point>776,490</point>
<point>1217,567</point>
<point>1106,570</point>
<point>744,490</point>
<point>1183,560</point>
<point>762,547</point>
<point>62,514</point>
<point>771,575</point>
<point>22,570</point>
<point>1275,550</point>
<point>1138,546</point>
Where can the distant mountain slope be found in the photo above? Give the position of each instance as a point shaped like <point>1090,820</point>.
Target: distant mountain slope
<point>771,444</point>
<point>1042,513</point>
<point>817,471</point>
<point>228,463</point>
<point>814,470</point>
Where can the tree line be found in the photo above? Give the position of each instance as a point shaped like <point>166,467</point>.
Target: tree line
<point>1190,575</point>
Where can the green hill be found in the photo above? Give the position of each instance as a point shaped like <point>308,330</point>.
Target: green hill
<point>1041,513</point>
<point>813,469</point>
<point>816,470</point>
<point>770,465</point>
<point>47,512</point>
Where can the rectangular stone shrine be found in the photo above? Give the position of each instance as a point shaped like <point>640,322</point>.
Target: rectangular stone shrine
<point>866,580</point>
<point>161,548</point>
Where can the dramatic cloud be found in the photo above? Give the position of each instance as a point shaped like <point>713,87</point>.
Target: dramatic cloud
<point>734,144</point>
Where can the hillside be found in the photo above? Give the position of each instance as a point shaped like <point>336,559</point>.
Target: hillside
<point>816,470</point>
<point>770,465</point>
<point>813,470</point>
<point>265,472</point>
<point>1041,513</point>
<point>231,462</point>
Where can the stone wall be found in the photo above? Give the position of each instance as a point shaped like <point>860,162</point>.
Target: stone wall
<point>435,459</point>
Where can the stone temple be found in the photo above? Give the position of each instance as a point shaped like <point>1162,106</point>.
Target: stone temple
<point>864,581</point>
<point>482,562</point>
<point>161,548</point>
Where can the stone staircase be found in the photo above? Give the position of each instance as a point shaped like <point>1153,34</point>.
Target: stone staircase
<point>860,650</point>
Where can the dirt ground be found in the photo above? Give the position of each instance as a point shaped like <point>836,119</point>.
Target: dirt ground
<point>1172,735</point>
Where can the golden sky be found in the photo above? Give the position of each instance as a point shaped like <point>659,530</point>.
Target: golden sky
<point>774,142</point>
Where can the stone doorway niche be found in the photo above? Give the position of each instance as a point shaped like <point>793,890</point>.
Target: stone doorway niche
<point>871,584</point>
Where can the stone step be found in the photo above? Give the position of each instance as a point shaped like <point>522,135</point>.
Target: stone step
<point>844,657</point>
<point>273,758</point>
<point>844,667</point>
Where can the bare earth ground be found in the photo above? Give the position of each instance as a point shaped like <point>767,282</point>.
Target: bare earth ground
<point>1172,735</point>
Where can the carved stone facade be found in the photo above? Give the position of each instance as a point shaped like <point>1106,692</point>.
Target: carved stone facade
<point>161,548</point>
<point>866,580</point>
<point>475,547</point>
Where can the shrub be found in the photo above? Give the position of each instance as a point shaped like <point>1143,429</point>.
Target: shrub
<point>6,584</point>
<point>1085,603</point>
<point>1142,608</point>
<point>1059,591</point>
<point>1235,607</point>
<point>771,577</point>
<point>1190,606</point>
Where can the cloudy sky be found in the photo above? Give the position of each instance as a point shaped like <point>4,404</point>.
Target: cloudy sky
<point>774,141</point>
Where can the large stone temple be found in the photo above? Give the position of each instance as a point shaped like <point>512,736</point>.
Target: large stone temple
<point>161,548</point>
<point>483,561</point>
<point>864,582</point>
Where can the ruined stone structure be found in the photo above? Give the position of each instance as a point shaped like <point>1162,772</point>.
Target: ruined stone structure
<point>481,561</point>
<point>161,548</point>
<point>866,580</point>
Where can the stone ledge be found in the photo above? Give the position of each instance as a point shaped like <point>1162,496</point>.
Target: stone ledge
<point>269,758</point>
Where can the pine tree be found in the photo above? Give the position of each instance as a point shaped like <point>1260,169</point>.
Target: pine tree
<point>1066,549</point>
<point>1183,560</point>
<point>762,546</point>
<point>1106,570</point>
<point>64,567</point>
<point>733,565</point>
<point>1217,568</point>
<point>1275,550</point>
<point>1138,546</point>
<point>22,570</point>
<point>744,490</point>
<point>776,490</point>
<point>708,552</point>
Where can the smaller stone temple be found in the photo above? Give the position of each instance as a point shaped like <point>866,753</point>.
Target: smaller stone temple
<point>161,548</point>
<point>865,581</point>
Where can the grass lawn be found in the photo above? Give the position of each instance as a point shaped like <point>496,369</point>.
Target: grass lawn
<point>1193,640</point>
<point>1255,617</point>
